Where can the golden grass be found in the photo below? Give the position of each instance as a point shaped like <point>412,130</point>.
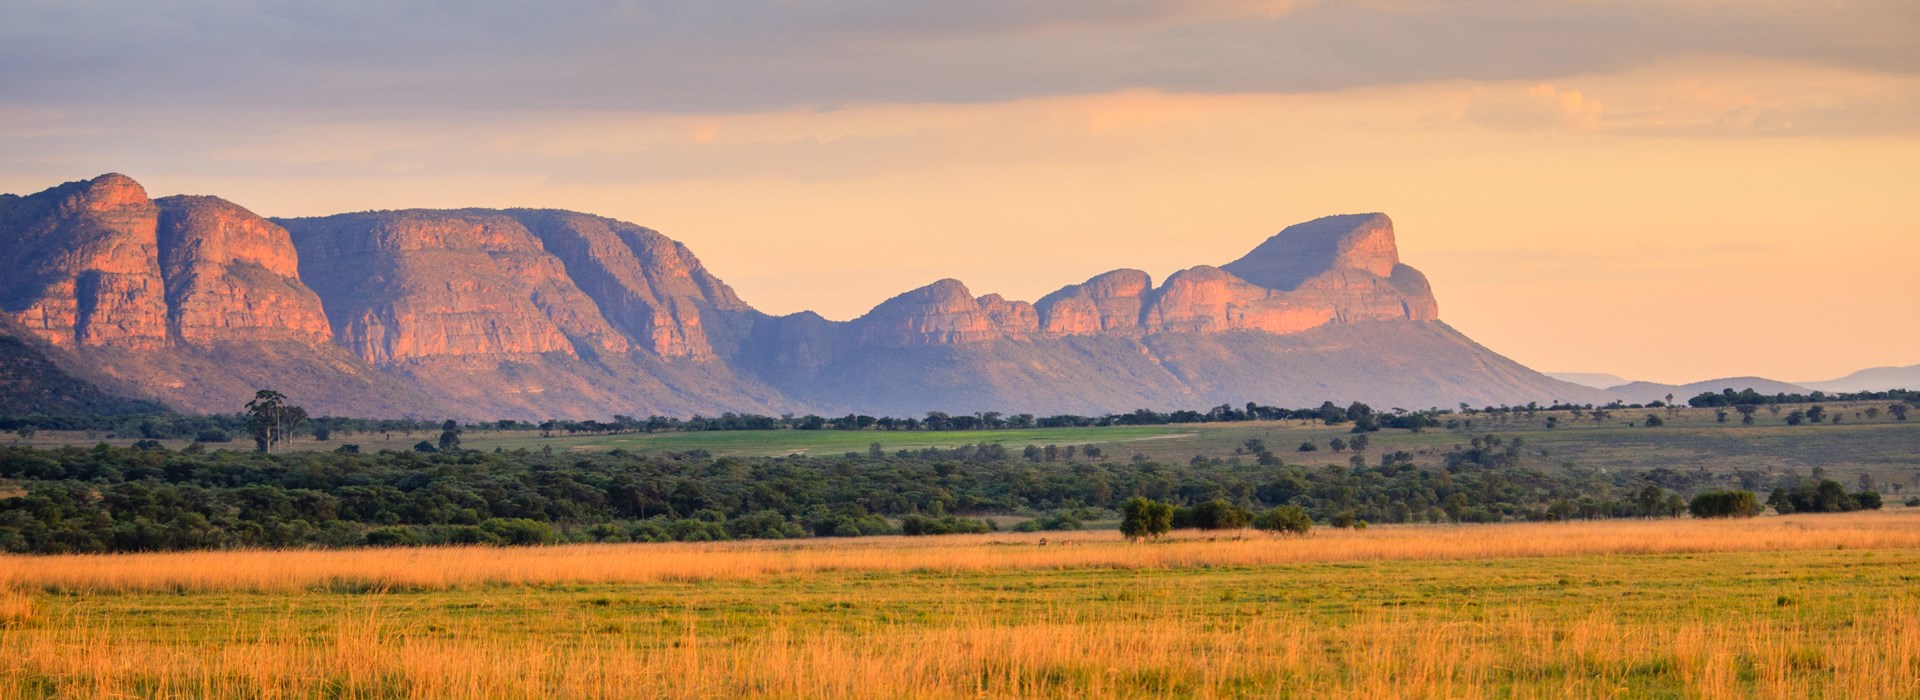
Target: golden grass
<point>1380,654</point>
<point>456,567</point>
<point>1523,610</point>
<point>16,607</point>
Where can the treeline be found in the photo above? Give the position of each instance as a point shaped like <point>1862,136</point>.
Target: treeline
<point>129,499</point>
<point>216,429</point>
<point>1749,397</point>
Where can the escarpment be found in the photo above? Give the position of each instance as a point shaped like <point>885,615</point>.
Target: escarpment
<point>531,313</point>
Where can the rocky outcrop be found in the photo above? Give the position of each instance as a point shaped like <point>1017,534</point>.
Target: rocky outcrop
<point>231,275</point>
<point>1108,304</point>
<point>102,265</point>
<point>405,285</point>
<point>649,286</point>
<point>1300,252</point>
<point>1339,269</point>
<point>945,313</point>
<point>84,264</point>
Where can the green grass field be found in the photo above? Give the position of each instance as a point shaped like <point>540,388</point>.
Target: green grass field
<point>1691,439</point>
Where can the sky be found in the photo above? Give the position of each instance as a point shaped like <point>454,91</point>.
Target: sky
<point>1668,190</point>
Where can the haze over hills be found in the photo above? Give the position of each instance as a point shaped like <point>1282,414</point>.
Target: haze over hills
<point>522,313</point>
<point>1874,379</point>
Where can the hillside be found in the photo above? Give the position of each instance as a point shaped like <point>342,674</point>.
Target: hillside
<point>520,313</point>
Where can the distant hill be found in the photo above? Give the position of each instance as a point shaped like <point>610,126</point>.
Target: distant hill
<point>1596,380</point>
<point>520,313</point>
<point>1875,379</point>
<point>1644,392</point>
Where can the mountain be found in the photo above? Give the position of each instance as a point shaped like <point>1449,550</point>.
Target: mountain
<point>1644,392</point>
<point>522,313</point>
<point>1874,379</point>
<point>1597,380</point>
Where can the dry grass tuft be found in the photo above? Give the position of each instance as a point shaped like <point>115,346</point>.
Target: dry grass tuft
<point>16,607</point>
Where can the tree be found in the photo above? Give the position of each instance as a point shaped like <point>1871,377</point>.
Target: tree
<point>1143,518</point>
<point>269,418</point>
<point>1219,514</point>
<point>1898,411</point>
<point>1285,520</point>
<point>450,435</point>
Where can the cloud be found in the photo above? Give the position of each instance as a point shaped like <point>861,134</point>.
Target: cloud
<point>445,57</point>
<point>1542,106</point>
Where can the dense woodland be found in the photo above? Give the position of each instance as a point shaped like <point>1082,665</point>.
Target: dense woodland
<point>137,499</point>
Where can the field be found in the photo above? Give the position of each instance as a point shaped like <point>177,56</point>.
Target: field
<point>1798,606</point>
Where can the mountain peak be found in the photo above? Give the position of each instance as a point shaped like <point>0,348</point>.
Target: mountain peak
<point>1302,251</point>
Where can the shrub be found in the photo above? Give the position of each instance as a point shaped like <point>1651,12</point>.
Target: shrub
<point>1285,520</point>
<point>1145,519</point>
<point>519,530</point>
<point>1217,514</point>
<point>1725,504</point>
<point>392,537</point>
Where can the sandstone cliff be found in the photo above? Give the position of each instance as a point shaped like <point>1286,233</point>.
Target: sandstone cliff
<point>522,313</point>
<point>231,275</point>
<point>84,264</point>
<point>1334,270</point>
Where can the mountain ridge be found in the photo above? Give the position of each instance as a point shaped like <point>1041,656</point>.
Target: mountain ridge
<point>533,313</point>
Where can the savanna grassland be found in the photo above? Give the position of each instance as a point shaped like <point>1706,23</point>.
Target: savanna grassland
<point>1689,439</point>
<point>1795,606</point>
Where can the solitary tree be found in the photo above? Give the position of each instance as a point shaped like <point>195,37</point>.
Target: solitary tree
<point>270,418</point>
<point>450,435</point>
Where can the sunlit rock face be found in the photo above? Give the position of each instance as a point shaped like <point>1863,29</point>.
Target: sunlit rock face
<point>1339,269</point>
<point>231,275</point>
<point>99,264</point>
<point>943,313</point>
<point>519,313</point>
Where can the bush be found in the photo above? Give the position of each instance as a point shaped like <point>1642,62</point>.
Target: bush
<point>1217,514</point>
<point>1824,496</point>
<point>1725,504</point>
<point>1145,519</point>
<point>519,530</point>
<point>392,537</point>
<point>213,435</point>
<point>1285,520</point>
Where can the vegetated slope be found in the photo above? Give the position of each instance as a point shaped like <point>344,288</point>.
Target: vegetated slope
<point>484,314</point>
<point>32,383</point>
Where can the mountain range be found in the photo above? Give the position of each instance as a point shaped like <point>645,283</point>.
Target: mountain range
<point>195,302</point>
<point>1872,379</point>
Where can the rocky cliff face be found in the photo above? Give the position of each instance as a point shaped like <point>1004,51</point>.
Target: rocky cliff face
<point>1335,270</point>
<point>100,264</point>
<point>520,313</point>
<point>1108,304</point>
<point>648,285</point>
<point>85,262</point>
<point>231,275</point>
<point>945,313</point>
